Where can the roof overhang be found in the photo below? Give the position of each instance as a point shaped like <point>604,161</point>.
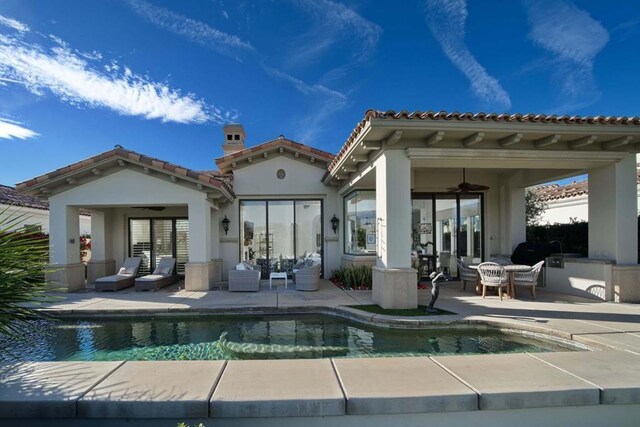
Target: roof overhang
<point>477,140</point>
<point>270,149</point>
<point>118,159</point>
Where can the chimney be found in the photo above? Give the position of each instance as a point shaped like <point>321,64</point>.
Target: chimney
<point>233,138</point>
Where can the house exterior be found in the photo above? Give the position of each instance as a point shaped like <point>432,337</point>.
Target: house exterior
<point>33,210</point>
<point>392,187</point>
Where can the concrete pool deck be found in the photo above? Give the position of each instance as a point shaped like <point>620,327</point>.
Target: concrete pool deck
<point>600,387</point>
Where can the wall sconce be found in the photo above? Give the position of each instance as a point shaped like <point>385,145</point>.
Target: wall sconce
<point>334,224</point>
<point>72,240</point>
<point>225,225</point>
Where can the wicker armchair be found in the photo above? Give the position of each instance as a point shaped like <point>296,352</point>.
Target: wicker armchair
<point>244,280</point>
<point>528,278</point>
<point>466,274</point>
<point>308,278</point>
<point>493,275</point>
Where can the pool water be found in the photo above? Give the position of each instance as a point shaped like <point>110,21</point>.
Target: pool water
<point>267,337</point>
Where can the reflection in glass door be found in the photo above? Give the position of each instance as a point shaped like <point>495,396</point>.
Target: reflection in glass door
<point>446,227</point>
<point>277,235</point>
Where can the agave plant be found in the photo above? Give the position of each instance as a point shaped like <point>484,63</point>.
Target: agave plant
<point>23,257</point>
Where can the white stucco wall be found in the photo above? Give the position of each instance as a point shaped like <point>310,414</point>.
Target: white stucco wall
<point>259,181</point>
<point>40,217</point>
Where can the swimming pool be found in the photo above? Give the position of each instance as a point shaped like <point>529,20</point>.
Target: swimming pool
<point>254,337</point>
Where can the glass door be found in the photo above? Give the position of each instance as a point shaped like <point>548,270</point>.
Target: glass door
<point>446,215</point>
<point>470,241</point>
<point>155,238</point>
<point>281,235</point>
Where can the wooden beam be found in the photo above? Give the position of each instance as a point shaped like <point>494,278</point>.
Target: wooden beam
<point>265,154</point>
<point>250,159</point>
<point>510,140</point>
<point>394,137</point>
<point>199,186</point>
<point>349,169</point>
<point>582,142</point>
<point>280,150</point>
<point>546,141</point>
<point>146,170</point>
<point>312,159</point>
<point>434,138</point>
<point>618,142</point>
<point>296,154</point>
<point>71,181</point>
<point>234,165</point>
<point>121,163</point>
<point>474,139</point>
<point>96,171</point>
<point>371,145</point>
<point>45,190</point>
<point>359,159</point>
<point>173,178</point>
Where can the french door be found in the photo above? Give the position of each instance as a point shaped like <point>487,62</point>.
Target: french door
<point>447,227</point>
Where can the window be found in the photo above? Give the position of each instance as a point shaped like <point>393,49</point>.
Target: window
<point>360,223</point>
<point>229,137</point>
<point>236,137</point>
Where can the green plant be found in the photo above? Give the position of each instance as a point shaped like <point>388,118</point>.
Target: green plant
<point>353,277</point>
<point>534,206</point>
<point>362,238</point>
<point>23,258</point>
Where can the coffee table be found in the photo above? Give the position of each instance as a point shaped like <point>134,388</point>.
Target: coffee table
<point>275,275</point>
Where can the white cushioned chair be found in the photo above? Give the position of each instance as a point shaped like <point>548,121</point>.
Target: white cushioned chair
<point>493,275</point>
<point>528,278</point>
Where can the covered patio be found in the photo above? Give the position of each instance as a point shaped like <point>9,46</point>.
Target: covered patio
<point>404,157</point>
<point>140,206</point>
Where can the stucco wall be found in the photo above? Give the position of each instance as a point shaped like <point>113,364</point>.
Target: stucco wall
<point>259,181</point>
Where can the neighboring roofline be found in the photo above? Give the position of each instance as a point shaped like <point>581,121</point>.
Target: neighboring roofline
<point>121,155</point>
<point>280,146</point>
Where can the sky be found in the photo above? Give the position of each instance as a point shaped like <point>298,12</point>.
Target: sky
<point>162,77</point>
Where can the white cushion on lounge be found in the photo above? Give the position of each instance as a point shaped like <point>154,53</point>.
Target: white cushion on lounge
<point>150,278</point>
<point>126,271</point>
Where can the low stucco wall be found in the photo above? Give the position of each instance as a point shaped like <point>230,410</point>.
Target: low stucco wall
<point>584,277</point>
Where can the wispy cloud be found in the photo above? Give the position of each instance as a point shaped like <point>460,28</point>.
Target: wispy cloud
<point>10,129</point>
<point>327,101</point>
<point>447,21</point>
<point>196,31</point>
<point>575,39</point>
<point>335,22</point>
<point>13,24</point>
<point>80,79</point>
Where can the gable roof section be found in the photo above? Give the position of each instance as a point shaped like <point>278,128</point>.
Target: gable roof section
<point>444,116</point>
<point>94,166</point>
<point>279,146</point>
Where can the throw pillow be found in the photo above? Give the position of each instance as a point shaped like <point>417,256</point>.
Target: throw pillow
<point>240,266</point>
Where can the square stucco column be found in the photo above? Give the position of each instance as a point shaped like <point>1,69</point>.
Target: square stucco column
<point>613,225</point>
<point>394,281</point>
<point>199,269</point>
<point>513,220</point>
<point>102,262</point>
<point>64,246</point>
<point>215,246</point>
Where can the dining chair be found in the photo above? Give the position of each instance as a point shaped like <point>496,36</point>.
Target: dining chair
<point>528,278</point>
<point>466,274</point>
<point>493,275</point>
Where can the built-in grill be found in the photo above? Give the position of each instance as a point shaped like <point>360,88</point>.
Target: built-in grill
<point>530,253</point>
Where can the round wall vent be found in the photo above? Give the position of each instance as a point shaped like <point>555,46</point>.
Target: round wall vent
<point>281,174</point>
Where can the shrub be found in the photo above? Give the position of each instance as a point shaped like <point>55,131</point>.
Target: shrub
<point>353,277</point>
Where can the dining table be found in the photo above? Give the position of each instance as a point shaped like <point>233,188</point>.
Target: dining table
<point>511,269</point>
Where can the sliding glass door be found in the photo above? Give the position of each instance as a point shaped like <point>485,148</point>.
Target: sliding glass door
<point>154,238</point>
<point>276,235</point>
<point>446,227</point>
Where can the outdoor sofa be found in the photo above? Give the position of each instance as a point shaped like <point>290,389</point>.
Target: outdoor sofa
<point>123,279</point>
<point>307,278</point>
<point>163,275</point>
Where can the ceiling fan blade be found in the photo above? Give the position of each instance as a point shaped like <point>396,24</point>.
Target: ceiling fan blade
<point>476,187</point>
<point>453,189</point>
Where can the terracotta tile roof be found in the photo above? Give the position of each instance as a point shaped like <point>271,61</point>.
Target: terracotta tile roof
<point>9,196</point>
<point>481,117</point>
<point>122,153</point>
<point>275,143</point>
<point>560,192</point>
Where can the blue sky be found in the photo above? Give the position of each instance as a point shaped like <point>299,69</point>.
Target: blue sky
<point>162,77</point>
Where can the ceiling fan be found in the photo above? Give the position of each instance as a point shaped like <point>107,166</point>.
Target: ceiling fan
<point>465,187</point>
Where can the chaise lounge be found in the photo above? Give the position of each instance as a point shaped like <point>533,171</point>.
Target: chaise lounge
<point>163,275</point>
<point>124,279</point>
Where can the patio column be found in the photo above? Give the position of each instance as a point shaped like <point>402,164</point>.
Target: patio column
<point>199,269</point>
<point>394,281</point>
<point>102,263</point>
<point>215,246</point>
<point>513,221</point>
<point>64,246</point>
<point>613,214</point>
